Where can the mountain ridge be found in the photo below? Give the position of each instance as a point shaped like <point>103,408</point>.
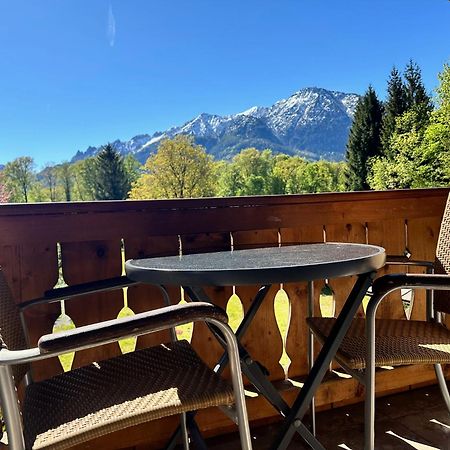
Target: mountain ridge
<point>313,122</point>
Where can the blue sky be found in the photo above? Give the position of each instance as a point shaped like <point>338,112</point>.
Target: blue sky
<point>76,73</point>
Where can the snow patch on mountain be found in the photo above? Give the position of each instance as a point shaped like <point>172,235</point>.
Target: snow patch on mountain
<point>312,122</point>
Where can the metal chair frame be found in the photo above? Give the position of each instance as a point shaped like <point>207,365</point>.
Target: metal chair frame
<point>381,288</point>
<point>111,331</point>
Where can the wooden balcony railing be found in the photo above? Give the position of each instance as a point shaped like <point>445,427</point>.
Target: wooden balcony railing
<point>79,242</point>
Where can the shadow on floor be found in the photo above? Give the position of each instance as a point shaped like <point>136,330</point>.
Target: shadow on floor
<point>411,420</point>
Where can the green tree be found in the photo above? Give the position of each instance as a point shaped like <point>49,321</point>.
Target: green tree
<point>133,168</point>
<point>20,177</point>
<point>179,169</point>
<point>421,147</point>
<point>400,170</point>
<point>49,177</point>
<point>416,94</point>
<point>249,173</point>
<point>66,178</point>
<point>323,176</point>
<point>434,157</point>
<point>288,173</point>
<point>394,107</point>
<point>364,140</point>
<point>83,172</point>
<point>111,179</point>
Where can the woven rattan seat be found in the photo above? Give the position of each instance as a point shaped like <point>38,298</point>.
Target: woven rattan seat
<point>92,401</point>
<point>114,394</point>
<point>398,342</point>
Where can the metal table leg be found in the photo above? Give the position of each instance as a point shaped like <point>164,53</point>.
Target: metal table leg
<point>310,313</point>
<point>252,369</point>
<point>292,422</point>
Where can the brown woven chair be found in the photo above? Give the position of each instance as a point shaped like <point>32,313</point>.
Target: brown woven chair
<point>92,401</point>
<point>373,343</point>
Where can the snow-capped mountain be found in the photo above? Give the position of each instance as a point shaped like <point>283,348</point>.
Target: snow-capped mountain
<point>312,122</point>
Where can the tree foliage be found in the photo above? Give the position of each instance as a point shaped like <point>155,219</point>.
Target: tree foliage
<point>179,169</point>
<point>416,94</point>
<point>394,107</point>
<point>20,178</point>
<point>111,179</point>
<point>418,155</point>
<point>364,140</point>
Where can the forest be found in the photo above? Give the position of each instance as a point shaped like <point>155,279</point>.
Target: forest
<point>403,142</point>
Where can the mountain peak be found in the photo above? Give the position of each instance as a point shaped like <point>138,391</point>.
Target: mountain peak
<point>312,122</point>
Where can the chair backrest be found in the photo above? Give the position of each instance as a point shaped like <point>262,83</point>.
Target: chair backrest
<point>12,335</point>
<point>442,262</point>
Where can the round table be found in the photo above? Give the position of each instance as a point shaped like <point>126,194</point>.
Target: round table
<point>259,266</point>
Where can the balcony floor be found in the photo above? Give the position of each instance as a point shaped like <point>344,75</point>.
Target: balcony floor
<point>411,420</point>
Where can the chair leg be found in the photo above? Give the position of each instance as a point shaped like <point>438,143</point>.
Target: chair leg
<point>238,386</point>
<point>443,385</point>
<point>369,417</point>
<point>184,432</point>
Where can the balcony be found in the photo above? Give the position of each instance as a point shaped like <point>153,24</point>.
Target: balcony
<point>45,245</point>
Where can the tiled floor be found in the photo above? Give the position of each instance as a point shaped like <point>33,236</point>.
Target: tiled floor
<point>412,420</point>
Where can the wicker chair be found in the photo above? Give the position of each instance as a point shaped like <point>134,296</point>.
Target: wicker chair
<point>92,401</point>
<point>373,343</point>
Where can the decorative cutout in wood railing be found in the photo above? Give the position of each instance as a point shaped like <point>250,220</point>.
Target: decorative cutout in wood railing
<point>129,344</point>
<point>327,301</point>
<point>366,299</point>
<point>235,310</point>
<point>282,311</point>
<point>183,331</point>
<point>64,321</point>
<point>407,295</point>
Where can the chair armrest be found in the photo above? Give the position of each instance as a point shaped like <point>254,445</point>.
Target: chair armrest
<point>391,282</point>
<point>113,330</point>
<point>405,261</point>
<point>66,293</point>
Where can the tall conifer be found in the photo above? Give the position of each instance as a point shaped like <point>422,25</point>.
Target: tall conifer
<point>111,179</point>
<point>364,141</point>
<point>394,107</point>
<point>416,94</point>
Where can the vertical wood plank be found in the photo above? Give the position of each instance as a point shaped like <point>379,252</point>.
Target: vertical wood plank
<point>90,261</point>
<point>203,340</point>
<point>296,343</point>
<point>422,236</point>
<point>389,234</point>
<point>262,340</point>
<point>145,297</point>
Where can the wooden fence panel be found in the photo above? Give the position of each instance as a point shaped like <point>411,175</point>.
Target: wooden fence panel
<point>96,238</point>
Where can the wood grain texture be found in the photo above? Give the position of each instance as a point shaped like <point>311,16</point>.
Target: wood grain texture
<point>91,234</point>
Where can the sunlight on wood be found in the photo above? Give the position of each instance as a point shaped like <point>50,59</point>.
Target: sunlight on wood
<point>413,444</point>
<point>440,423</point>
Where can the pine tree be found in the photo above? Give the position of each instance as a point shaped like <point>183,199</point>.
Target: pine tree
<point>111,180</point>
<point>416,95</point>
<point>364,140</point>
<point>394,107</point>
